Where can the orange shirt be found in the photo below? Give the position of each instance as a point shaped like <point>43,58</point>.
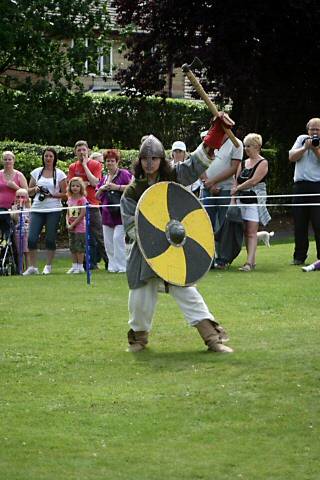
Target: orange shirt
<point>76,170</point>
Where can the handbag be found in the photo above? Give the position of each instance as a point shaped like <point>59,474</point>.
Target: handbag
<point>244,194</point>
<point>114,197</point>
<point>246,174</point>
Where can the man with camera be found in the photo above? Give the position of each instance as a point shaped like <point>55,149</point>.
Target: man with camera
<point>305,153</point>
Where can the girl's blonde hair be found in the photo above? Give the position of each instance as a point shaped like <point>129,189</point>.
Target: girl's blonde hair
<point>24,192</point>
<point>95,155</point>
<point>79,180</point>
<point>254,138</point>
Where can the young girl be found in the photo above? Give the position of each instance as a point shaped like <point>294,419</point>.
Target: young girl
<point>76,223</point>
<point>22,202</point>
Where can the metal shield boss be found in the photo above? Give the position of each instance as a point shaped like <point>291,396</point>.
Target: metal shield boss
<point>174,233</point>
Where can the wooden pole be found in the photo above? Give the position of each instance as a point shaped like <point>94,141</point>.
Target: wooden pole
<point>205,97</point>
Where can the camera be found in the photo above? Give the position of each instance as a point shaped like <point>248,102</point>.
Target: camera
<point>315,140</point>
<point>43,193</point>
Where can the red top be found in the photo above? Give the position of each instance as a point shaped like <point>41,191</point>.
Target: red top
<point>76,169</point>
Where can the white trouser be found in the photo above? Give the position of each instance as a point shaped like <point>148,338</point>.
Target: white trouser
<point>115,245</point>
<point>142,303</point>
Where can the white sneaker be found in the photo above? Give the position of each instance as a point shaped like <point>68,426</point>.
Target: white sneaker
<point>31,271</point>
<point>308,268</point>
<point>73,270</point>
<point>46,270</point>
<point>81,269</point>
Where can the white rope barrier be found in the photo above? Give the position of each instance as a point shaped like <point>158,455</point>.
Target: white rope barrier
<point>285,195</point>
<point>288,195</point>
<point>267,205</point>
<point>56,209</point>
<point>228,205</point>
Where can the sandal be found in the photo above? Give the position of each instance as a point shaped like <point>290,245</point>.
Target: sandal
<point>247,267</point>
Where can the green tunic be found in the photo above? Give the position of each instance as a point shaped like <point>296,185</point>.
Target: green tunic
<point>185,173</point>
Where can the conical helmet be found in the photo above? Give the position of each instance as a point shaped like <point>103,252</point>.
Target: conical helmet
<point>151,147</point>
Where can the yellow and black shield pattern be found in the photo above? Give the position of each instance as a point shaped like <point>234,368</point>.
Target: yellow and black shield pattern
<point>174,233</point>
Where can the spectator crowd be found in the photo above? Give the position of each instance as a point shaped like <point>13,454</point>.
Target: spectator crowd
<point>232,189</point>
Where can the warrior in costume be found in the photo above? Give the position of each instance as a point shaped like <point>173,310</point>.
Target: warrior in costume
<point>152,167</point>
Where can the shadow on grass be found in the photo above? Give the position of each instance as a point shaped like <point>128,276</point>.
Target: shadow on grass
<point>178,360</point>
<point>242,360</point>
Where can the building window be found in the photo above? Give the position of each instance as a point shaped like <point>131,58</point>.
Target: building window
<point>104,64</point>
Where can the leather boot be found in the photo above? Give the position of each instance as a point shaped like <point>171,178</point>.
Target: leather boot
<point>137,341</point>
<point>224,337</point>
<point>211,337</point>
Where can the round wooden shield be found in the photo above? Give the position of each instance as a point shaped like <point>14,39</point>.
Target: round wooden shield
<point>174,233</point>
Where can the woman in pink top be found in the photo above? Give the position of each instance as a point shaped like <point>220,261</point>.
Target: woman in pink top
<point>10,181</point>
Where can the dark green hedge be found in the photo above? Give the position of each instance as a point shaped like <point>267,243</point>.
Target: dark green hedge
<point>28,155</point>
<point>280,176</point>
<point>108,121</point>
<point>62,118</point>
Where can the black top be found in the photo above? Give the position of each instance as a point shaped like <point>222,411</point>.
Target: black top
<point>247,173</point>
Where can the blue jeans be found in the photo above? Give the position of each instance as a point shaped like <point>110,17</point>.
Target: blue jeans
<point>37,221</point>
<point>217,210</point>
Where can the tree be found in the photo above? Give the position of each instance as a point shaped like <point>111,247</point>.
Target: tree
<point>262,55</point>
<point>34,34</point>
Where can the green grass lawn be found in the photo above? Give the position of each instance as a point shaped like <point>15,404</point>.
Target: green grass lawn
<point>75,405</point>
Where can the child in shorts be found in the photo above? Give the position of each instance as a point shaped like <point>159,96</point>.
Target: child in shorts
<point>76,223</point>
<point>21,220</point>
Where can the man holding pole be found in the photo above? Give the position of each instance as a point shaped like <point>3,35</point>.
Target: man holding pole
<point>217,184</point>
